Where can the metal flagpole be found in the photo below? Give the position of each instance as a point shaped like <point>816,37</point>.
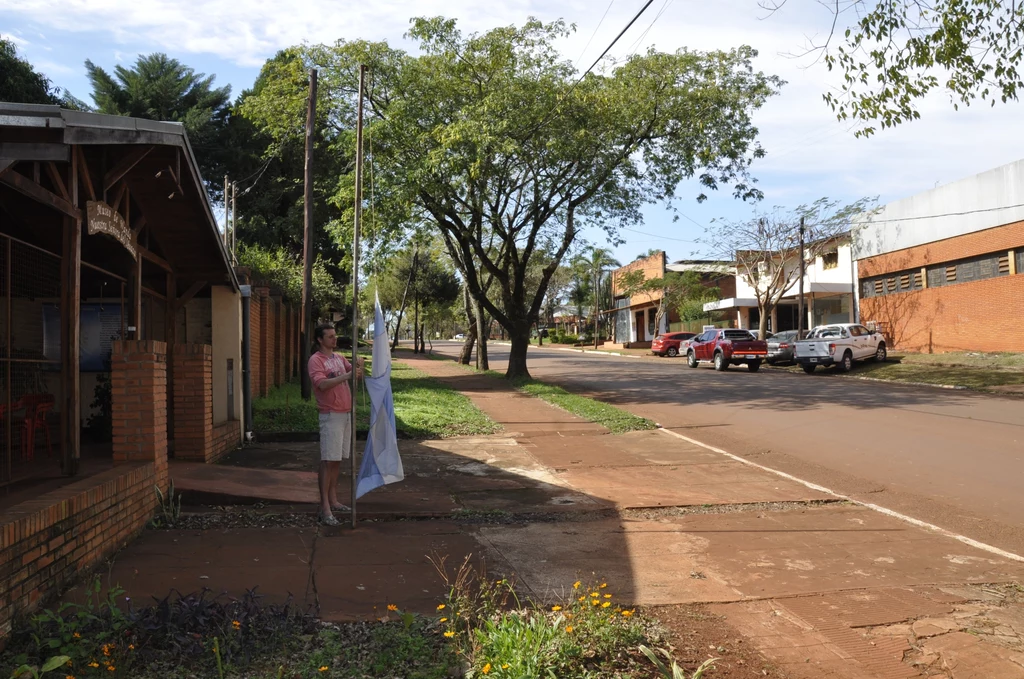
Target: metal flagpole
<point>355,275</point>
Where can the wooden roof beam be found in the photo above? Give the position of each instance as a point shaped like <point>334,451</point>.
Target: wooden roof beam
<point>26,186</point>
<point>124,166</point>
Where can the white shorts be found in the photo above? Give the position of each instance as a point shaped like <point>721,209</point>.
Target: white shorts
<point>335,436</point>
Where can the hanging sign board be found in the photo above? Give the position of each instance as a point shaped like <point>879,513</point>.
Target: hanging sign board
<point>104,219</point>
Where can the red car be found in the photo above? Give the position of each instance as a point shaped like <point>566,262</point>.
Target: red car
<point>727,347</point>
<point>668,344</point>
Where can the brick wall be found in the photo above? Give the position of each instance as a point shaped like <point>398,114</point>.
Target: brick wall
<point>979,315</point>
<point>195,436</point>
<point>255,322</point>
<point>48,543</point>
<point>138,380</point>
<point>653,267</point>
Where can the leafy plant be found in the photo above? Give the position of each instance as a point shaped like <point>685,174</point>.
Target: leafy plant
<point>675,672</point>
<point>169,507</point>
<point>48,666</point>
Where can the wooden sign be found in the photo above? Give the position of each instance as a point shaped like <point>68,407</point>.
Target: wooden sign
<point>104,219</point>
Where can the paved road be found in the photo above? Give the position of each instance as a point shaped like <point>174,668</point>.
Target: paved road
<point>951,458</point>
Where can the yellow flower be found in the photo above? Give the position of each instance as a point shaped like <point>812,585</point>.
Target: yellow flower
<point>131,647</point>
<point>106,649</point>
<point>607,596</point>
<point>486,669</point>
<point>77,635</point>
<point>504,667</point>
<point>606,604</point>
<point>603,585</point>
<point>94,664</point>
<point>576,585</point>
<point>449,634</point>
<point>556,608</point>
<point>594,594</point>
<point>594,602</point>
<point>582,598</point>
<point>236,624</point>
<point>324,668</point>
<point>392,607</point>
<point>444,619</point>
<point>440,607</point>
<point>626,614</point>
<point>568,628</point>
<point>111,668</point>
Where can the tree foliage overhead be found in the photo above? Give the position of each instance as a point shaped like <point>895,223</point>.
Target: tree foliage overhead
<point>158,87</point>
<point>900,50</point>
<point>495,140</point>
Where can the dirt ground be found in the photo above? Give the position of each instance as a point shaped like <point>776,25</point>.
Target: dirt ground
<point>695,634</point>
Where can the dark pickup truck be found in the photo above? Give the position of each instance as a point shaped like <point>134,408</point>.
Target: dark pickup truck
<point>727,347</point>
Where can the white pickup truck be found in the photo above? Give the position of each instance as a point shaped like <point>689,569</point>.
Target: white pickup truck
<point>839,344</point>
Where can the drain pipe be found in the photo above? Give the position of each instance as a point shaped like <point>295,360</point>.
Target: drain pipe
<point>246,368</point>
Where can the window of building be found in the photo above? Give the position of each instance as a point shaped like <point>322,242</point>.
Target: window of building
<point>1019,255</point>
<point>939,275</point>
<point>830,260</point>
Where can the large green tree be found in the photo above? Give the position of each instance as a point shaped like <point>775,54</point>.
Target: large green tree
<point>500,142</point>
<point>21,83</point>
<point>158,87</point>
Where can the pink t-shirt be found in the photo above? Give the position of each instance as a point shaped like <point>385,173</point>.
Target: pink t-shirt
<point>337,399</point>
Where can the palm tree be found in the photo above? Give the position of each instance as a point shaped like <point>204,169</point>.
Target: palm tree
<point>598,260</point>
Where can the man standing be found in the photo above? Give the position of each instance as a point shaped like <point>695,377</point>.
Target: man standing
<point>330,374</point>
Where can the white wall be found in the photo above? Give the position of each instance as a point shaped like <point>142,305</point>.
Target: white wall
<point>814,273</point>
<point>899,225</point>
<point>226,331</point>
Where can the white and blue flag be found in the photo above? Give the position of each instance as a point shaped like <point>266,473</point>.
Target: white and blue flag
<point>381,462</point>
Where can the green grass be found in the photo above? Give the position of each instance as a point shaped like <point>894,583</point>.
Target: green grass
<point>970,370</point>
<point>424,408</point>
<point>614,419</point>
<point>910,369</point>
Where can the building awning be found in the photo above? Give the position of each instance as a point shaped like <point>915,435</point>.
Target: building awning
<point>731,303</point>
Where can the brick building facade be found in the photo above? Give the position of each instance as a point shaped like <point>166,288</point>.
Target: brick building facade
<point>944,271</point>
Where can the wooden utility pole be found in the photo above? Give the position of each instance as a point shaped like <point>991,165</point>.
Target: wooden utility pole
<point>597,303</point>
<point>800,293</point>
<point>355,275</point>
<point>227,208</point>
<point>306,312</point>
<point>234,217</point>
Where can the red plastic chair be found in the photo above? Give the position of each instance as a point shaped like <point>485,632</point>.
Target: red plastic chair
<point>37,408</point>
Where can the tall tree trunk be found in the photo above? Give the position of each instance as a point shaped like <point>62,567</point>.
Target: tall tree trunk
<point>540,340</point>
<point>467,347</point>
<point>481,333</point>
<point>416,325</point>
<point>405,295</point>
<point>517,356</point>
<point>763,324</point>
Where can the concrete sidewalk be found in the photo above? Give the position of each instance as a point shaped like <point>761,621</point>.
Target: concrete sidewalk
<point>823,588</point>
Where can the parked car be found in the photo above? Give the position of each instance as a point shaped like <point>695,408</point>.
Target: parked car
<point>727,347</point>
<point>460,336</point>
<point>840,344</point>
<point>669,343</point>
<point>780,347</point>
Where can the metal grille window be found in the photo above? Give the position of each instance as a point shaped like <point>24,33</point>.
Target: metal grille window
<point>830,260</point>
<point>30,378</point>
<point>1019,256</point>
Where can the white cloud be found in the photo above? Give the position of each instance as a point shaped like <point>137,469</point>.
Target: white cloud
<point>17,40</point>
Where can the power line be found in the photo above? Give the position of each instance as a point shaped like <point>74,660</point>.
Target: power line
<point>944,214</point>
<point>594,34</point>
<point>654,235</point>
<point>612,44</point>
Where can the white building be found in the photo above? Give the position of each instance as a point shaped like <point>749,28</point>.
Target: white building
<point>829,282</point>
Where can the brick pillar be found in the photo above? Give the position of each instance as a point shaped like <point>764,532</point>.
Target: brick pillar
<point>278,355</point>
<point>255,323</point>
<point>138,377</point>
<point>266,351</point>
<point>193,401</point>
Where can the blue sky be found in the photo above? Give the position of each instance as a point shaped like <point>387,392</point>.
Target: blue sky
<point>810,153</point>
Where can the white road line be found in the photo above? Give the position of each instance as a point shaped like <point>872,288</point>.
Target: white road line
<point>882,510</point>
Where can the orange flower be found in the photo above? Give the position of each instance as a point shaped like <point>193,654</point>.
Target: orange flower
<point>568,629</point>
<point>556,608</point>
<point>486,669</point>
<point>392,607</point>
